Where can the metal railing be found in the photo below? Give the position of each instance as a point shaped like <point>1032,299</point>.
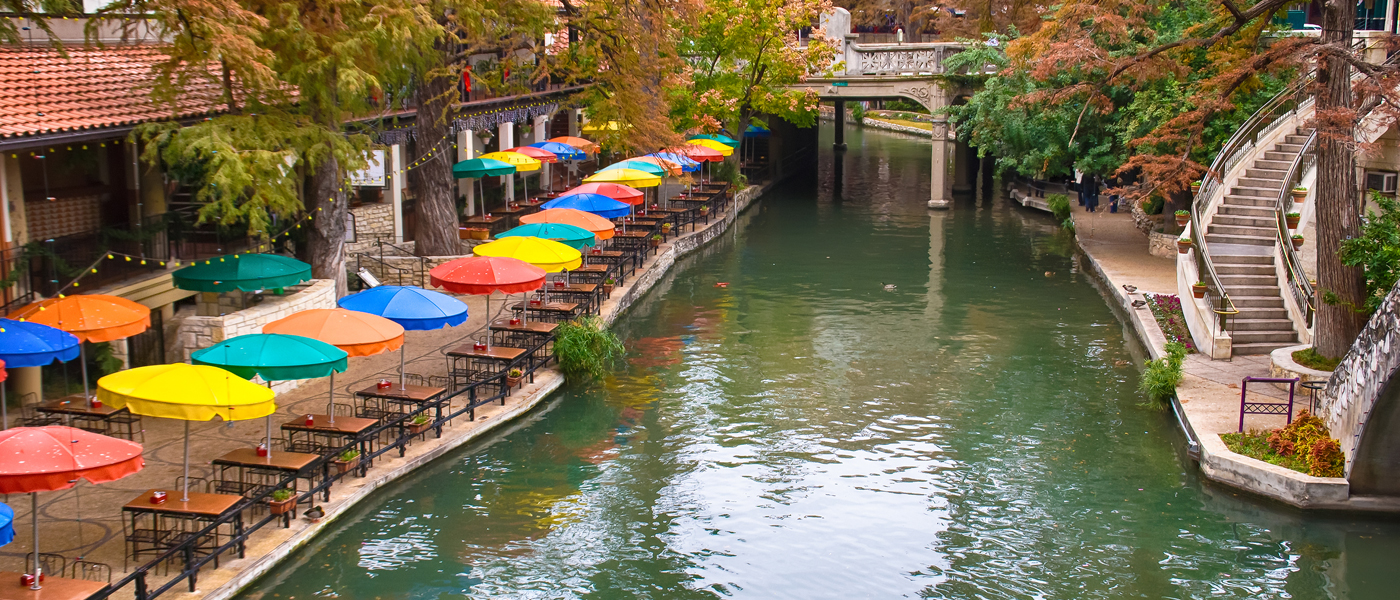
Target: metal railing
<point>1293,266</point>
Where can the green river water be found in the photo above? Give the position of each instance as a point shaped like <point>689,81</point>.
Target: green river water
<point>804,433</point>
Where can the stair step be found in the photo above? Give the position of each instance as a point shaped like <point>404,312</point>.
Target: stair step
<point>1272,174</point>
<point>1251,291</point>
<point>1245,259</point>
<point>1282,157</point>
<point>1266,184</point>
<point>1277,337</point>
<point>1265,212</point>
<point>1243,302</point>
<point>1248,190</point>
<point>1254,349</point>
<point>1298,139</point>
<point>1277,165</point>
<point>1251,324</point>
<point>1247,240</point>
<point>1237,200</point>
<point>1261,314</point>
<point>1263,232</point>
<point>1252,270</point>
<point>1265,222</point>
<point>1289,148</point>
<point>1233,280</point>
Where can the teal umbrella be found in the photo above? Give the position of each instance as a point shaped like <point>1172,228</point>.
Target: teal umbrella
<point>639,165</point>
<point>574,237</point>
<point>274,357</point>
<point>723,139</point>
<point>477,168</point>
<point>244,272</point>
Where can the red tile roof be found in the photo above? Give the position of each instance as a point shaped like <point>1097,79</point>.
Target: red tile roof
<point>42,92</point>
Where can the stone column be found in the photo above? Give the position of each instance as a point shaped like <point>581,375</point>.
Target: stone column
<point>464,152</point>
<point>941,190</point>
<point>23,381</point>
<point>396,184</point>
<point>507,133</point>
<point>963,166</point>
<point>575,117</point>
<point>542,134</point>
<point>840,143</point>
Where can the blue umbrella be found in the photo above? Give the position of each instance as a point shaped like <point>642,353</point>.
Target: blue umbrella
<point>687,165</point>
<point>563,151</point>
<point>757,131</point>
<point>597,204</point>
<point>25,344</point>
<point>414,308</point>
<point>7,524</point>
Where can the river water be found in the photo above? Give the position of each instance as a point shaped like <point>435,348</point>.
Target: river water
<point>805,433</point>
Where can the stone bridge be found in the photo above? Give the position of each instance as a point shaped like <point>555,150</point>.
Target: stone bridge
<point>912,71</point>
<point>1361,404</point>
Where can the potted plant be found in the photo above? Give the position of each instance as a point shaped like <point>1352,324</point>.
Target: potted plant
<point>1183,245</point>
<point>1195,187</point>
<point>704,210</point>
<point>608,285</point>
<point>1297,241</point>
<point>513,377</point>
<point>283,501</point>
<point>346,461</point>
<point>473,233</point>
<point>1292,219</point>
<point>1183,217</point>
<point>656,240</point>
<point>666,228</point>
<point>418,424</point>
<point>1300,194</point>
<point>1198,290</point>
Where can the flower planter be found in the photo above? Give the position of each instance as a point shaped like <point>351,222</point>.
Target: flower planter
<point>655,243</point>
<point>1182,220</point>
<point>513,381</point>
<point>1198,290</point>
<point>418,428</point>
<point>1292,221</point>
<point>1195,187</point>
<point>473,233</point>
<point>607,289</point>
<point>1299,196</point>
<point>1182,246</point>
<point>282,507</point>
<point>1298,243</point>
<point>345,466</point>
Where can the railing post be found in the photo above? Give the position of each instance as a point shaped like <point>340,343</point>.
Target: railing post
<point>189,566</point>
<point>141,593</point>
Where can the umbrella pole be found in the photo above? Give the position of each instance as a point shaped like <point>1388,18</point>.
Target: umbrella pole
<point>269,426</point>
<point>488,320</point>
<point>4,409</point>
<point>330,409</point>
<point>34,513</point>
<point>186,490</point>
<point>402,387</point>
<point>82,356</point>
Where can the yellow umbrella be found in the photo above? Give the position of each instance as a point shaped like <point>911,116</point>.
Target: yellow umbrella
<point>630,177</point>
<point>521,162</point>
<point>549,255</point>
<point>719,147</point>
<point>186,392</point>
<point>609,126</point>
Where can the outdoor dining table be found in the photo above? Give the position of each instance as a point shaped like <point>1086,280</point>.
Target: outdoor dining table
<point>264,470</point>
<point>470,363</point>
<point>336,434</point>
<point>77,408</point>
<point>55,588</point>
<point>407,398</point>
<point>520,333</point>
<point>513,214</point>
<point>494,223</point>
<point>583,293</point>
<point>555,311</point>
<point>174,519</point>
<point>613,258</point>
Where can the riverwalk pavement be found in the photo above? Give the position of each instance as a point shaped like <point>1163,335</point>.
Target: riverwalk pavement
<point>87,521</point>
<point>1210,389</point>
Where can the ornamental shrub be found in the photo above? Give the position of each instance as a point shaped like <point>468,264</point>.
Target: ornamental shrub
<point>1307,439</point>
<point>1059,206</point>
<point>586,350</point>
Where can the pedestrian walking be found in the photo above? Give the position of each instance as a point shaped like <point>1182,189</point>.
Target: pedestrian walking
<point>1090,191</point>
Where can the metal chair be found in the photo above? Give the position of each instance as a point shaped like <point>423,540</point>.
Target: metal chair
<point>130,422</point>
<point>52,563</point>
<point>30,417</point>
<point>91,571</point>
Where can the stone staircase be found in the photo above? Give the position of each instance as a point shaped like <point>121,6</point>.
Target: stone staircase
<point>1242,237</point>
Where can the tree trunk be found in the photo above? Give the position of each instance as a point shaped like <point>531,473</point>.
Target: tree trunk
<point>1338,322</point>
<point>330,212</point>
<point>436,230</point>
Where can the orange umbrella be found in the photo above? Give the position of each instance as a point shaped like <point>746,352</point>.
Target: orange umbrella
<point>357,333</point>
<point>576,142</point>
<point>90,318</point>
<point>598,226</point>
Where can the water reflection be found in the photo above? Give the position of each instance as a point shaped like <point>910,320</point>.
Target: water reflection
<point>804,433</point>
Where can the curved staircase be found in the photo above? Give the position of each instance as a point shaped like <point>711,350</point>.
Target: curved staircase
<point>1242,235</point>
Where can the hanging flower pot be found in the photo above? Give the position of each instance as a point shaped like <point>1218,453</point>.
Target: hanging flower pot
<point>1182,218</point>
<point>1183,245</point>
<point>1195,187</point>
<point>1297,241</point>
<point>1199,289</point>
<point>1292,220</point>
<point>1300,194</point>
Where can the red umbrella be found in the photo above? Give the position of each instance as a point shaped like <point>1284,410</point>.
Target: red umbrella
<point>698,153</point>
<point>482,275</point>
<point>539,154</point>
<point>44,459</point>
<point>616,191</point>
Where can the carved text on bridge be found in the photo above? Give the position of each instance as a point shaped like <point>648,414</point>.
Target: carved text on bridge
<point>895,59</point>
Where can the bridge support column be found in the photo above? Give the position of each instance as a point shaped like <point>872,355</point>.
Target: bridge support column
<point>964,167</point>
<point>941,190</point>
<point>840,126</point>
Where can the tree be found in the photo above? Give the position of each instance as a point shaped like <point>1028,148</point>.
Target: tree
<point>1091,49</point>
<point>292,73</point>
<point>469,27</point>
<point>740,57</point>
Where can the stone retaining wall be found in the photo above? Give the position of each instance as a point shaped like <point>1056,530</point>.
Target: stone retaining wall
<point>1161,244</point>
<point>372,222</point>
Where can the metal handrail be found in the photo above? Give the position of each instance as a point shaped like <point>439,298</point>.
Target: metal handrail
<point>1293,265</point>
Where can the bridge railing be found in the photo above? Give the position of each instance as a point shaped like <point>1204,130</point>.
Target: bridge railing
<point>897,59</point>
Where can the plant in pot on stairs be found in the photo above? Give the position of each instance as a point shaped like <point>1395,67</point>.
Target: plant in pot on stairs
<point>1300,194</point>
<point>1198,289</point>
<point>1297,241</point>
<point>1292,219</point>
<point>1183,217</point>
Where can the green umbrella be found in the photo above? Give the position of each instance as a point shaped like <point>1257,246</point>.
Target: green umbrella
<point>639,165</point>
<point>245,272</point>
<point>477,168</point>
<point>274,357</point>
<point>723,139</point>
<point>569,235</point>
